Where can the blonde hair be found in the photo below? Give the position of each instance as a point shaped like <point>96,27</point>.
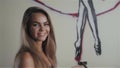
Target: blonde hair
<point>27,43</point>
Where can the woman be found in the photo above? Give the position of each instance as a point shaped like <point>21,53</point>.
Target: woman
<point>38,45</point>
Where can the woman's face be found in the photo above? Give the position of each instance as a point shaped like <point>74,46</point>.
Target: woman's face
<point>39,27</point>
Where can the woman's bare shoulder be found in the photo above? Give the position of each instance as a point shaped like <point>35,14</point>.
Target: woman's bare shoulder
<point>27,56</point>
<point>27,60</point>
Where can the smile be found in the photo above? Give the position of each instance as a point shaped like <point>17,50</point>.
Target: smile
<point>41,34</point>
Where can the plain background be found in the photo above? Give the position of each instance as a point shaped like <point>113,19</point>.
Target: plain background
<point>11,13</point>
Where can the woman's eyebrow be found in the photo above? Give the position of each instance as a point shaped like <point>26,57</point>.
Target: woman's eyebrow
<point>46,22</point>
<point>40,22</point>
<point>35,22</point>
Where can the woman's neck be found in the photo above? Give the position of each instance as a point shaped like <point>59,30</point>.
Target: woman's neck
<point>38,46</point>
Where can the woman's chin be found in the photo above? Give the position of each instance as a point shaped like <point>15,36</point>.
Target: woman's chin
<point>42,39</point>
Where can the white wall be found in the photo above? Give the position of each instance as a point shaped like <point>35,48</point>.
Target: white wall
<point>11,12</point>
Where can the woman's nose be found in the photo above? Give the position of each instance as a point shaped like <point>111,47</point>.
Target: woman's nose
<point>42,27</point>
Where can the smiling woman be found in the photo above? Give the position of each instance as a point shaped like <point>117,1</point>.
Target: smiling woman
<point>38,47</point>
<point>39,27</point>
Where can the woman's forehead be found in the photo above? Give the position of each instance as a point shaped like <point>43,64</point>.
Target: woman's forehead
<point>40,17</point>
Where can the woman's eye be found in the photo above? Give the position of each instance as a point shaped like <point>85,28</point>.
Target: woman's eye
<point>46,24</point>
<point>35,24</point>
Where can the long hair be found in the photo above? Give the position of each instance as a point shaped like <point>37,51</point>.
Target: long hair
<point>27,43</point>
